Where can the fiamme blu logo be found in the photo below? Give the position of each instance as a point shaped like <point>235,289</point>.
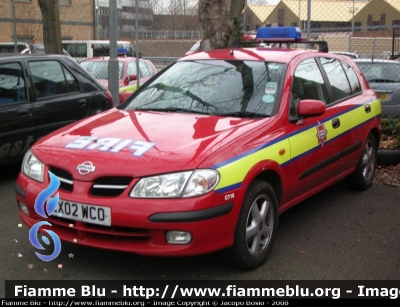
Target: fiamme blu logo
<point>45,206</point>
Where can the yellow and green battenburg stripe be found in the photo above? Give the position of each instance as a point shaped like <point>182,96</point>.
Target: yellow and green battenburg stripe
<point>128,88</point>
<point>300,143</point>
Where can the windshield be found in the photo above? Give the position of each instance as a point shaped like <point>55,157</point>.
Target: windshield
<point>217,87</point>
<point>99,69</point>
<point>380,72</point>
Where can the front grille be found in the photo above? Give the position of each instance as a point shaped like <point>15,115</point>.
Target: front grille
<point>66,180</point>
<point>110,186</point>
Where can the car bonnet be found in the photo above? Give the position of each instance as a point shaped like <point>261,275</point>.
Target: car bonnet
<point>140,142</point>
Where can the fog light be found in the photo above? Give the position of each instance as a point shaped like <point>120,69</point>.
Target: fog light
<point>179,237</point>
<point>23,207</point>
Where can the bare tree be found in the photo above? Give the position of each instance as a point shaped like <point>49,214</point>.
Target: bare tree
<point>51,26</point>
<point>220,21</point>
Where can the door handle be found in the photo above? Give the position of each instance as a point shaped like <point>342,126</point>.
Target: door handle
<point>367,108</point>
<point>335,123</point>
<point>22,112</point>
<point>82,102</point>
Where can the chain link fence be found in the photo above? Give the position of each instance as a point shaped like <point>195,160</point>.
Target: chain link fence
<point>164,31</point>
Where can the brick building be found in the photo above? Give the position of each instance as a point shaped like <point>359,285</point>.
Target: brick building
<point>23,18</point>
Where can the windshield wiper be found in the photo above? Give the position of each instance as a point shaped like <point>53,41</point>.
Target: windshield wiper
<point>172,109</point>
<point>243,114</point>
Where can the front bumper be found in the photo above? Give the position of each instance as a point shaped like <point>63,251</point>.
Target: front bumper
<point>140,225</point>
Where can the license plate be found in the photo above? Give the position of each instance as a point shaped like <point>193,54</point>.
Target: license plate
<point>83,212</point>
<point>382,96</point>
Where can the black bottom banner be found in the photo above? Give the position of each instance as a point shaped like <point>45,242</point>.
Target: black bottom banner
<point>192,292</point>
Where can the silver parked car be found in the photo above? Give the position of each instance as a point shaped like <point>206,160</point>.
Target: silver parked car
<point>351,55</point>
<point>383,77</point>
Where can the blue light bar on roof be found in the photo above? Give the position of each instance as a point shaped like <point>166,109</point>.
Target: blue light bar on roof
<point>278,34</point>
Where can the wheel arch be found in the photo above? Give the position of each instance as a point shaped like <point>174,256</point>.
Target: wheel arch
<point>270,172</point>
<point>376,133</point>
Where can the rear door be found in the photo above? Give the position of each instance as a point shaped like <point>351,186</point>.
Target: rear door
<point>346,94</point>
<point>17,122</point>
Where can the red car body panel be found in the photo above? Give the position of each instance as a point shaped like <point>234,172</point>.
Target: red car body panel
<point>178,142</point>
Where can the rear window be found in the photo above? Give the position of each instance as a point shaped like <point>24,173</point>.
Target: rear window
<point>380,72</point>
<point>99,69</point>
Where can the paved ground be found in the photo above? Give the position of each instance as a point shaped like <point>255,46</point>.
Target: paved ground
<point>338,234</point>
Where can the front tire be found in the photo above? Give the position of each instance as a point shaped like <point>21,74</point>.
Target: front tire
<point>256,227</point>
<point>364,174</point>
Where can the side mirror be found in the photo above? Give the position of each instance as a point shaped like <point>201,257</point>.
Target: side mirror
<point>310,108</point>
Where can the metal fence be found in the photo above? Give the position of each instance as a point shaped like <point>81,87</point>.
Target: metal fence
<point>164,32</point>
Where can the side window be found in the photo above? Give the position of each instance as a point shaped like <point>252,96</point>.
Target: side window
<point>337,78</point>
<point>48,78</point>
<point>131,68</point>
<point>351,75</point>
<point>144,69</point>
<point>307,83</point>
<point>150,69</point>
<point>72,83</point>
<point>12,83</point>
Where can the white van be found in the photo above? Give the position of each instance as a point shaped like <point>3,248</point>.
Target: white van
<point>80,49</point>
<point>9,47</point>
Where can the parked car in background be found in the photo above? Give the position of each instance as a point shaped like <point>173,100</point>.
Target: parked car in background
<point>393,55</point>
<point>207,154</point>
<point>39,48</point>
<point>352,55</point>
<point>86,49</point>
<point>196,47</point>
<point>41,93</point>
<point>9,47</point>
<point>127,71</point>
<point>383,77</point>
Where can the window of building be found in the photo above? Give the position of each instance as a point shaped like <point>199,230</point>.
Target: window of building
<point>369,20</point>
<point>383,19</point>
<point>281,16</point>
<point>64,2</point>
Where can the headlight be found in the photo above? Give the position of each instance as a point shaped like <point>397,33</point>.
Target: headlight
<point>32,166</point>
<point>175,185</point>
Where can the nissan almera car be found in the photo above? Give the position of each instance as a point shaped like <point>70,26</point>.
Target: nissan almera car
<point>208,153</point>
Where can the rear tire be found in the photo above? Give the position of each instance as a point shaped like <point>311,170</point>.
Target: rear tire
<point>364,174</point>
<point>256,227</point>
